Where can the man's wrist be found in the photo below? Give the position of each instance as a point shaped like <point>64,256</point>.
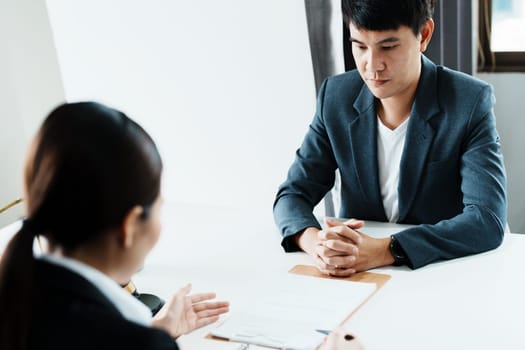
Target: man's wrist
<point>307,239</point>
<point>388,259</point>
<point>397,252</point>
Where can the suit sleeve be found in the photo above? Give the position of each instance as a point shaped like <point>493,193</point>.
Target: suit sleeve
<point>480,226</point>
<point>310,177</point>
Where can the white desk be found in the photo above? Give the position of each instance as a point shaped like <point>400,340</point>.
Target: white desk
<point>475,302</point>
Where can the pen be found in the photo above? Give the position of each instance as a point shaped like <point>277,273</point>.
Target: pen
<point>12,204</point>
<point>323,331</point>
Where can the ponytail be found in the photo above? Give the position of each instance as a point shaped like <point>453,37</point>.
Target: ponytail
<point>16,288</point>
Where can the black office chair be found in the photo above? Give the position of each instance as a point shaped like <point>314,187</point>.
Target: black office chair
<point>153,302</point>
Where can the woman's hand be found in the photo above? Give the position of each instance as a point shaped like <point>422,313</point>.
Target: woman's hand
<point>184,313</point>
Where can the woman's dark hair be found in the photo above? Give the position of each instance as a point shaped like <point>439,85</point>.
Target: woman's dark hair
<point>388,14</point>
<point>87,167</point>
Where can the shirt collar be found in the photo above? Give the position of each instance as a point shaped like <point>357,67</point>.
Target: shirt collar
<point>130,308</point>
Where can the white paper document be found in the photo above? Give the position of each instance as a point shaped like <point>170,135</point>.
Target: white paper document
<point>287,313</point>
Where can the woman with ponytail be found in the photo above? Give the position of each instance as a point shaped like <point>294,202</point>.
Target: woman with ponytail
<point>92,190</point>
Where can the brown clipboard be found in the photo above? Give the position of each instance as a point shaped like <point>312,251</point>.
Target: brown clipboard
<point>370,277</point>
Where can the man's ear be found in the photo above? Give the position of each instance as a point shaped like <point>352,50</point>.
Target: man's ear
<point>130,225</point>
<point>426,34</point>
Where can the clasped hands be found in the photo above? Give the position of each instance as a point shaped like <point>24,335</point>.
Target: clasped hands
<point>341,250</point>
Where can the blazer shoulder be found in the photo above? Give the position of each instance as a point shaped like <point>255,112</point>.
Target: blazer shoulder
<point>340,92</point>
<point>84,327</point>
<point>60,285</point>
<point>348,81</point>
<point>64,301</point>
<point>454,82</point>
<point>458,93</point>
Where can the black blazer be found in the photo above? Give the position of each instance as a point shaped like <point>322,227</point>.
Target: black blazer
<point>70,313</point>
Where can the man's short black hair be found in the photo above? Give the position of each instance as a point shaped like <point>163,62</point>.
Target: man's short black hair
<point>388,14</point>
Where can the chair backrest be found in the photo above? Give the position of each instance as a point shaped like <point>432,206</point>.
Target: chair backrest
<point>10,223</point>
<point>11,212</point>
<point>325,32</point>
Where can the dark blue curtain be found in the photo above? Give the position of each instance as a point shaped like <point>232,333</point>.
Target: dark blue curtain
<point>452,44</point>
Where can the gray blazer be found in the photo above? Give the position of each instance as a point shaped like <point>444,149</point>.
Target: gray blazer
<point>452,179</point>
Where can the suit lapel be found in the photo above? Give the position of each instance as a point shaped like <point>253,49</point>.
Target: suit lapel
<point>419,137</point>
<point>364,149</point>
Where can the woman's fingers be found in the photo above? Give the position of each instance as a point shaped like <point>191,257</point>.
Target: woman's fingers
<point>211,306</point>
<point>199,297</point>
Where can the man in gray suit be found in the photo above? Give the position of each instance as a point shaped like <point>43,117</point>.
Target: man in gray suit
<point>415,143</point>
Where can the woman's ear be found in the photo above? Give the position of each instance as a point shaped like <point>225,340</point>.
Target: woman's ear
<point>426,34</point>
<point>131,225</point>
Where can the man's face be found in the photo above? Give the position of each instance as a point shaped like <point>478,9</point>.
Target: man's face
<point>389,61</point>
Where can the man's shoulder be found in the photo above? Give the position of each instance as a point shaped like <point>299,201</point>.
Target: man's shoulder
<point>350,80</point>
<point>452,81</point>
<point>343,87</point>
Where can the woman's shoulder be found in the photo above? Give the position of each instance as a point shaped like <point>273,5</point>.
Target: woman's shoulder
<point>69,312</point>
<point>100,333</point>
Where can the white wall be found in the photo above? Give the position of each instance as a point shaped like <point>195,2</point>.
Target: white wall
<point>510,116</point>
<point>225,87</point>
<point>30,87</point>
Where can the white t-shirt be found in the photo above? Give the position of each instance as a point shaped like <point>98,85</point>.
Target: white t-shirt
<point>390,145</point>
<point>130,308</point>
